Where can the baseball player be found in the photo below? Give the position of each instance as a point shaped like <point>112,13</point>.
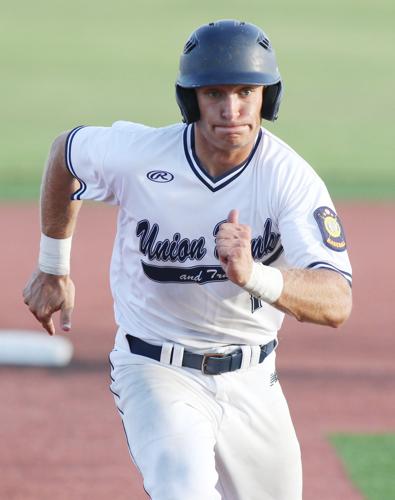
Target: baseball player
<point>222,228</point>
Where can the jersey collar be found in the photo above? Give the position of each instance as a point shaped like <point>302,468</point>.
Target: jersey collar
<point>219,182</point>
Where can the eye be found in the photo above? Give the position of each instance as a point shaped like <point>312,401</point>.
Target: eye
<point>246,91</point>
<point>213,93</point>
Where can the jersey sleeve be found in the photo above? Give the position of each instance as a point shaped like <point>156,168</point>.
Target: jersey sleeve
<point>86,151</point>
<point>311,231</point>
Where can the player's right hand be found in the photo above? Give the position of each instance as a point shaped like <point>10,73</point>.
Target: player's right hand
<point>45,294</point>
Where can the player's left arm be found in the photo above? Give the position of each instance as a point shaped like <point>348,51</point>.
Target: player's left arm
<point>318,296</point>
<point>315,295</point>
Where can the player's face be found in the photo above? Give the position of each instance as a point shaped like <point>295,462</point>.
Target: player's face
<point>230,116</point>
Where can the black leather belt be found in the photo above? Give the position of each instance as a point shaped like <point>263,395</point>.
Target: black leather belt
<point>209,364</point>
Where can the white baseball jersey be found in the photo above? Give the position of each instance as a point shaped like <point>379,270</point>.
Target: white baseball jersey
<point>166,279</point>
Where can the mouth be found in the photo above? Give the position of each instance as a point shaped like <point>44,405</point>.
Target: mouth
<point>232,128</point>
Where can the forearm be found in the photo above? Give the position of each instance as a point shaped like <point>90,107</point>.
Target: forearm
<point>58,212</point>
<point>50,288</point>
<point>317,296</point>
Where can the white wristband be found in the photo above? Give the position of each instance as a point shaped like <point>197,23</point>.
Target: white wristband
<point>54,255</point>
<point>265,283</point>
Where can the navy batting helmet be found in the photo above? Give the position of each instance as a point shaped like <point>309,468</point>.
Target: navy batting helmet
<point>228,52</point>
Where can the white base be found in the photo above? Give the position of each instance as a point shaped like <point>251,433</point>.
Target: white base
<point>31,348</point>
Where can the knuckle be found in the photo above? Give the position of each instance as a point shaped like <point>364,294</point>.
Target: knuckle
<point>246,243</point>
<point>246,230</point>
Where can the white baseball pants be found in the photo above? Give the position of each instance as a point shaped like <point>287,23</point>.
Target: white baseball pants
<point>202,437</point>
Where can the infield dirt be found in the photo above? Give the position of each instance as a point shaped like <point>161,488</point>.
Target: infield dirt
<point>60,433</point>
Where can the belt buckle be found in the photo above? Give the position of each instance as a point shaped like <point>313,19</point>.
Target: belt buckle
<point>206,357</point>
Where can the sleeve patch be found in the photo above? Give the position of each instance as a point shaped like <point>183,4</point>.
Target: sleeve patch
<point>331,229</point>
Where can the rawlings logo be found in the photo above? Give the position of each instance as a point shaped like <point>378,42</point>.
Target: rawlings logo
<point>160,176</point>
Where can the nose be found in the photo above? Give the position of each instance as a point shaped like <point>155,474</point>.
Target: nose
<point>230,107</point>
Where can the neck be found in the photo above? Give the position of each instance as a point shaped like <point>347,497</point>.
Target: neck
<point>219,160</point>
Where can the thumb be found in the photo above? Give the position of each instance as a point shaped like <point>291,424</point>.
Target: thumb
<point>233,216</point>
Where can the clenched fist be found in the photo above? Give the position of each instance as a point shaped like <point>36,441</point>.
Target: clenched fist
<point>233,244</point>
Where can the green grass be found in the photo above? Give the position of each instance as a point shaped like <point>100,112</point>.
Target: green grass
<point>370,463</point>
<point>95,62</point>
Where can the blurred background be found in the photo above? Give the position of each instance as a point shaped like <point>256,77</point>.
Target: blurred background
<point>94,62</point>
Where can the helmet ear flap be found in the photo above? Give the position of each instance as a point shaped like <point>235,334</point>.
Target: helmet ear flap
<point>271,101</point>
<point>188,104</point>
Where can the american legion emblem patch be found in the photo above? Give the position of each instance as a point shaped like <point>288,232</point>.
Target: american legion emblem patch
<point>331,228</point>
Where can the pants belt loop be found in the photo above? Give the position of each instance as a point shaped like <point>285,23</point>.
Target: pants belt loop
<point>246,356</point>
<point>178,354</point>
<point>165,355</point>
<point>255,354</point>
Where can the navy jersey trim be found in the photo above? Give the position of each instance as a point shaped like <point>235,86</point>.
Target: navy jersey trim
<point>200,172</point>
<point>229,172</point>
<point>81,190</point>
<point>112,392</point>
<point>273,257</point>
<point>326,265</point>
